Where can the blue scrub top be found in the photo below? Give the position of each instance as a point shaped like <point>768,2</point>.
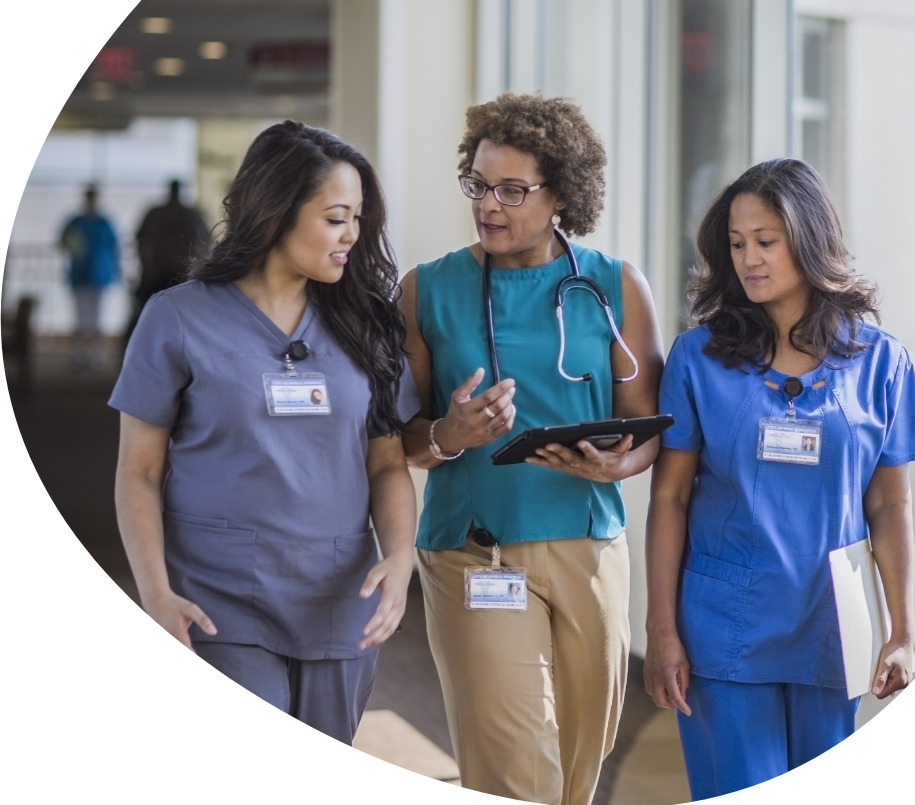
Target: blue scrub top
<point>266,518</point>
<point>755,599</point>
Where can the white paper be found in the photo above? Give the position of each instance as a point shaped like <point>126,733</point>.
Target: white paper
<point>863,619</point>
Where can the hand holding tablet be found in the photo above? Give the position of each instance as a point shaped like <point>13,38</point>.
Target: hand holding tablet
<point>603,434</point>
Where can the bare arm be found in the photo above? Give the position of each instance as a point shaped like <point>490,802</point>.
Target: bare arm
<point>635,398</point>
<point>666,664</point>
<point>888,510</point>
<point>138,499</point>
<point>466,424</point>
<point>393,506</point>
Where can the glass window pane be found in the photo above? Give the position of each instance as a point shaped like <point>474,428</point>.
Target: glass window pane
<point>814,64</point>
<point>818,106</point>
<point>715,50</point>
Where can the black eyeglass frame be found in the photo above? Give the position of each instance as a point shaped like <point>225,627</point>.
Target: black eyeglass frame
<point>462,177</point>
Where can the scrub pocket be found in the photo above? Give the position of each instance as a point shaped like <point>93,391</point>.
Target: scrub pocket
<point>354,557</point>
<point>308,591</point>
<point>713,600</point>
<point>212,565</point>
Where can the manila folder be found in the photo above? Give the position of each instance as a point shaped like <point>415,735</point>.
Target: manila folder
<point>863,627</point>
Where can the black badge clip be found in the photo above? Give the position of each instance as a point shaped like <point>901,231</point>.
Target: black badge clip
<point>792,388</point>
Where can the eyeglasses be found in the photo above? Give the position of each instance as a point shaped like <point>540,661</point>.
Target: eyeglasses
<point>511,195</point>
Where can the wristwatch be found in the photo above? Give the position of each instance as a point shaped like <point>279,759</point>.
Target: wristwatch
<point>434,447</point>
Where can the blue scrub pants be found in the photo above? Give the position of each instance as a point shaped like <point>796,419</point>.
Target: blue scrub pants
<point>328,695</point>
<point>741,734</point>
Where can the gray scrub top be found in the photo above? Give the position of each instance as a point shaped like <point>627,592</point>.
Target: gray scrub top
<point>266,517</point>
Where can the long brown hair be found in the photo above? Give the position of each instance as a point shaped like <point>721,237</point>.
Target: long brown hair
<point>742,331</point>
<point>283,169</point>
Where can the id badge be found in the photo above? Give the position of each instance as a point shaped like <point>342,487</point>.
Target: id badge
<point>495,588</point>
<point>792,441</point>
<point>296,394</point>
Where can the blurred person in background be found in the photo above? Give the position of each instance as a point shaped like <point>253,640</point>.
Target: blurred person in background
<point>92,246</point>
<point>256,549</point>
<point>743,635</point>
<point>168,238</point>
<point>533,697</point>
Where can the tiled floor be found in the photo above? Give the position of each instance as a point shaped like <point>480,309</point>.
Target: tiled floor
<point>652,772</point>
<point>387,736</point>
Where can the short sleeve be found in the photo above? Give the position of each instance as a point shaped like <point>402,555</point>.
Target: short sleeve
<point>155,369</point>
<point>899,440</point>
<point>407,404</point>
<point>676,397</point>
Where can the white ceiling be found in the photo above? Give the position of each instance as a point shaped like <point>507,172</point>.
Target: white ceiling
<point>206,88</point>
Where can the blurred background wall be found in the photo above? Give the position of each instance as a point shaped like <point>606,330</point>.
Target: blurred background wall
<point>685,93</point>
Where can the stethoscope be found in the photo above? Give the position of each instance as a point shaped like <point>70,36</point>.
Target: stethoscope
<point>571,282</point>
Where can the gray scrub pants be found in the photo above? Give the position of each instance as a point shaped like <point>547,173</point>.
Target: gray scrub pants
<point>328,695</point>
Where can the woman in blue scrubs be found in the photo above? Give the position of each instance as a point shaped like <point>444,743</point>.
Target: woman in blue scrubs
<point>269,383</point>
<point>795,420</point>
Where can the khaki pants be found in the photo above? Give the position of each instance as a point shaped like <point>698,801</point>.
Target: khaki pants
<point>533,698</point>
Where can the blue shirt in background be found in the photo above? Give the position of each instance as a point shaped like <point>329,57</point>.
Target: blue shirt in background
<point>93,248</point>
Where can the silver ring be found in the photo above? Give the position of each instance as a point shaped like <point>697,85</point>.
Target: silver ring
<point>489,413</point>
<point>578,463</point>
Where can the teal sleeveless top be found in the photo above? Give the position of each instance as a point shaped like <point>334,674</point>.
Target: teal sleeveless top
<point>518,502</point>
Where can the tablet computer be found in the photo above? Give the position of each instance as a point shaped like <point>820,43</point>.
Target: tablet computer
<point>601,433</point>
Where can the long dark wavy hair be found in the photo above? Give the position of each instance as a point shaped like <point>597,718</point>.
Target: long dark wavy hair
<point>284,168</point>
<point>742,331</point>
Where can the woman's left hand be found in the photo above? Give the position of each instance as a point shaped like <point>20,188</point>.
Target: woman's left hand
<point>391,576</point>
<point>894,669</point>
<point>590,463</point>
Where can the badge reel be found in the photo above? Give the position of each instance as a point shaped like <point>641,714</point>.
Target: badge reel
<point>494,587</point>
<point>790,440</point>
<point>294,393</point>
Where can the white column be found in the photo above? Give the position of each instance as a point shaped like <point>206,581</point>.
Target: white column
<point>355,62</point>
<point>881,163</point>
<point>393,129</point>
<point>491,51</point>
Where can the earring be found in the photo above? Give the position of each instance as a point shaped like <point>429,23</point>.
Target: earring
<point>555,220</point>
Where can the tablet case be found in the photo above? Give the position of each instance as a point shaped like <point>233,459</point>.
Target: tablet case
<point>524,445</point>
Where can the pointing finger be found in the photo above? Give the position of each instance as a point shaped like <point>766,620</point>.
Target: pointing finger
<point>462,393</point>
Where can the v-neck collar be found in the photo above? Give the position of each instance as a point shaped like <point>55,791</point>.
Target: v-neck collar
<point>281,337</point>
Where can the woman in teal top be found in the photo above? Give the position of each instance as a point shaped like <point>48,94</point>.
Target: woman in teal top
<point>533,695</point>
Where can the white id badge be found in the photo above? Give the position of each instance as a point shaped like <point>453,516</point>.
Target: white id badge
<point>792,441</point>
<point>296,394</point>
<point>495,588</point>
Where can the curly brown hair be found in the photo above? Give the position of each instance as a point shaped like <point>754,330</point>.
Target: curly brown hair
<point>554,131</point>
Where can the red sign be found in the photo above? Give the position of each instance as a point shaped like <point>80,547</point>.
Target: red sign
<point>114,64</point>
<point>289,56</point>
<point>698,48</point>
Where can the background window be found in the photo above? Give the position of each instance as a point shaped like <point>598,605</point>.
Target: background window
<point>818,107</point>
<point>715,60</point>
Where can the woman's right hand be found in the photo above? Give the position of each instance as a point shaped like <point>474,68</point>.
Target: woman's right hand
<point>176,614</point>
<point>666,672</point>
<point>468,423</point>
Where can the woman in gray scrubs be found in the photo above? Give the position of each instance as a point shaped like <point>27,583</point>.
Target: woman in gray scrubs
<point>255,550</point>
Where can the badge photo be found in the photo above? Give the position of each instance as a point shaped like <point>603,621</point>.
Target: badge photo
<point>292,394</point>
